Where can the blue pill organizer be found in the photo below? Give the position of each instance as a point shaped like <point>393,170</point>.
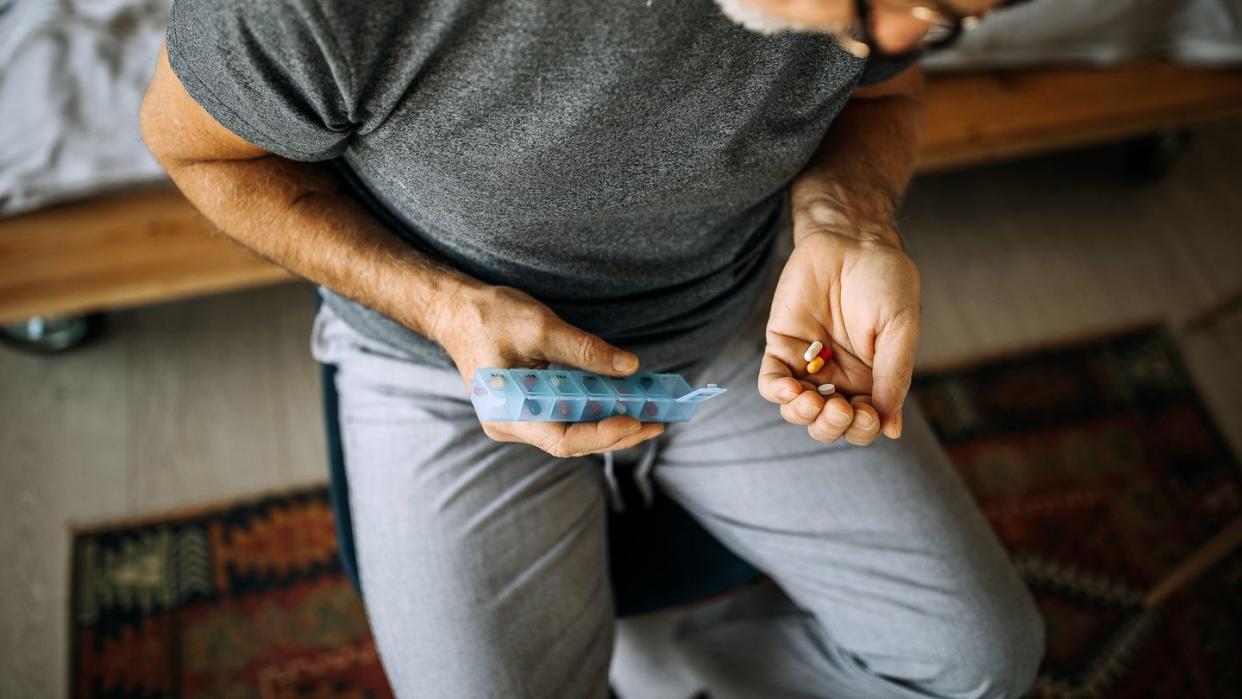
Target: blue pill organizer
<point>564,395</point>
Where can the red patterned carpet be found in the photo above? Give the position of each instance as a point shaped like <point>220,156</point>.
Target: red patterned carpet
<point>1096,464</point>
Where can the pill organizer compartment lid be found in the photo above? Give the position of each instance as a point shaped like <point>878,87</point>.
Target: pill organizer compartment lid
<point>495,382</point>
<point>596,386</point>
<point>708,392</point>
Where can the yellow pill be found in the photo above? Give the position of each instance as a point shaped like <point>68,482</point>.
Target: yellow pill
<point>815,365</point>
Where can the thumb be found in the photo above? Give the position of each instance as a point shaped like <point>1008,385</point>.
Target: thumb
<point>892,372</point>
<point>565,344</point>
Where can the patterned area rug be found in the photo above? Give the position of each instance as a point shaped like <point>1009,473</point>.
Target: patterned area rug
<point>1096,464</point>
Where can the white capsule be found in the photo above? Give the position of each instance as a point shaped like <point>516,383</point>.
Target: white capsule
<point>813,351</point>
<point>826,389</point>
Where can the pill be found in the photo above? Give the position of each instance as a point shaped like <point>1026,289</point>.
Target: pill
<point>497,382</point>
<point>825,354</point>
<point>651,409</point>
<point>529,380</point>
<point>815,365</point>
<point>826,389</point>
<point>813,351</point>
<point>555,380</point>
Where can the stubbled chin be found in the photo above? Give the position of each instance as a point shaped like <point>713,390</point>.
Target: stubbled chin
<point>762,22</point>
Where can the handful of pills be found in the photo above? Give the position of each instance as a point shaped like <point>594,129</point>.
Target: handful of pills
<point>815,355</point>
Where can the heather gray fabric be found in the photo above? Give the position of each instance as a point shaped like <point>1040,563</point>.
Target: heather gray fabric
<point>623,161</point>
<point>484,569</point>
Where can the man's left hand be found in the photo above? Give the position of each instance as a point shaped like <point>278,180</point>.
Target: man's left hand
<point>861,299</point>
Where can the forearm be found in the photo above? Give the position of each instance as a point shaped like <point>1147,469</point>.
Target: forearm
<point>855,181</point>
<point>303,217</point>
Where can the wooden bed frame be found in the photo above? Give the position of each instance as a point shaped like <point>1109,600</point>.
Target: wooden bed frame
<point>148,246</point>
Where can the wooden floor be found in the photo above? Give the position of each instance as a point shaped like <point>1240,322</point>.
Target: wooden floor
<point>216,397</point>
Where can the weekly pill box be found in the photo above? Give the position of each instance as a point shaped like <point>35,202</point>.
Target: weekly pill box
<point>555,395</point>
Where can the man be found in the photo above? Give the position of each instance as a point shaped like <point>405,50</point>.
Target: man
<point>599,183</point>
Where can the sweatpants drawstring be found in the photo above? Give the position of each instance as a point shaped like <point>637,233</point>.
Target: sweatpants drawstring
<point>614,488</point>
<point>642,477</point>
<point>642,474</point>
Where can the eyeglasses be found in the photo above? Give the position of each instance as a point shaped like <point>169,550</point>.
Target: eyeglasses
<point>945,23</point>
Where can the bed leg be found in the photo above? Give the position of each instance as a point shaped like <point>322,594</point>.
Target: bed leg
<point>52,334</point>
<point>1148,158</point>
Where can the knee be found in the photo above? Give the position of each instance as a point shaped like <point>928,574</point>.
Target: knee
<point>996,656</point>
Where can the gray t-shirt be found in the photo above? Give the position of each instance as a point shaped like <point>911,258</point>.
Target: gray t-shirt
<point>623,161</point>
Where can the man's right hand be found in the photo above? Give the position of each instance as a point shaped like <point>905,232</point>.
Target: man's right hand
<point>498,326</point>
<point>301,216</point>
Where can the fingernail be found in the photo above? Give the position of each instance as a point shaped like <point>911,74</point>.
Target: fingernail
<point>892,429</point>
<point>635,428</point>
<point>622,361</point>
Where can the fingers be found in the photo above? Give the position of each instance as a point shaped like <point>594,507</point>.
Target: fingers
<point>648,431</point>
<point>895,29</point>
<point>892,370</point>
<point>800,403</point>
<point>576,439</point>
<point>607,435</point>
<point>833,421</point>
<point>804,409</point>
<point>776,382</point>
<point>865,427</point>
<point>857,419</point>
<point>562,343</point>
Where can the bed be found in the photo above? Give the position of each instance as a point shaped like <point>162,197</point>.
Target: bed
<point>88,221</point>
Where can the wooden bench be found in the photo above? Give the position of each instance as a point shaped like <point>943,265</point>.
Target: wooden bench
<point>150,245</point>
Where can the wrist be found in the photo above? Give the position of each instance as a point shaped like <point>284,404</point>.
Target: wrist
<point>831,208</point>
<point>430,299</point>
<point>824,219</point>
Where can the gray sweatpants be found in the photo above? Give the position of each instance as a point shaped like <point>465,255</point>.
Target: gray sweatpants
<point>483,564</point>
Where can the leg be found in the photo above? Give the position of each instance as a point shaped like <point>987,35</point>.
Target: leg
<point>898,586</point>
<point>483,565</point>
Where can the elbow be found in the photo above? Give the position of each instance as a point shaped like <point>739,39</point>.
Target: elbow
<point>150,121</point>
